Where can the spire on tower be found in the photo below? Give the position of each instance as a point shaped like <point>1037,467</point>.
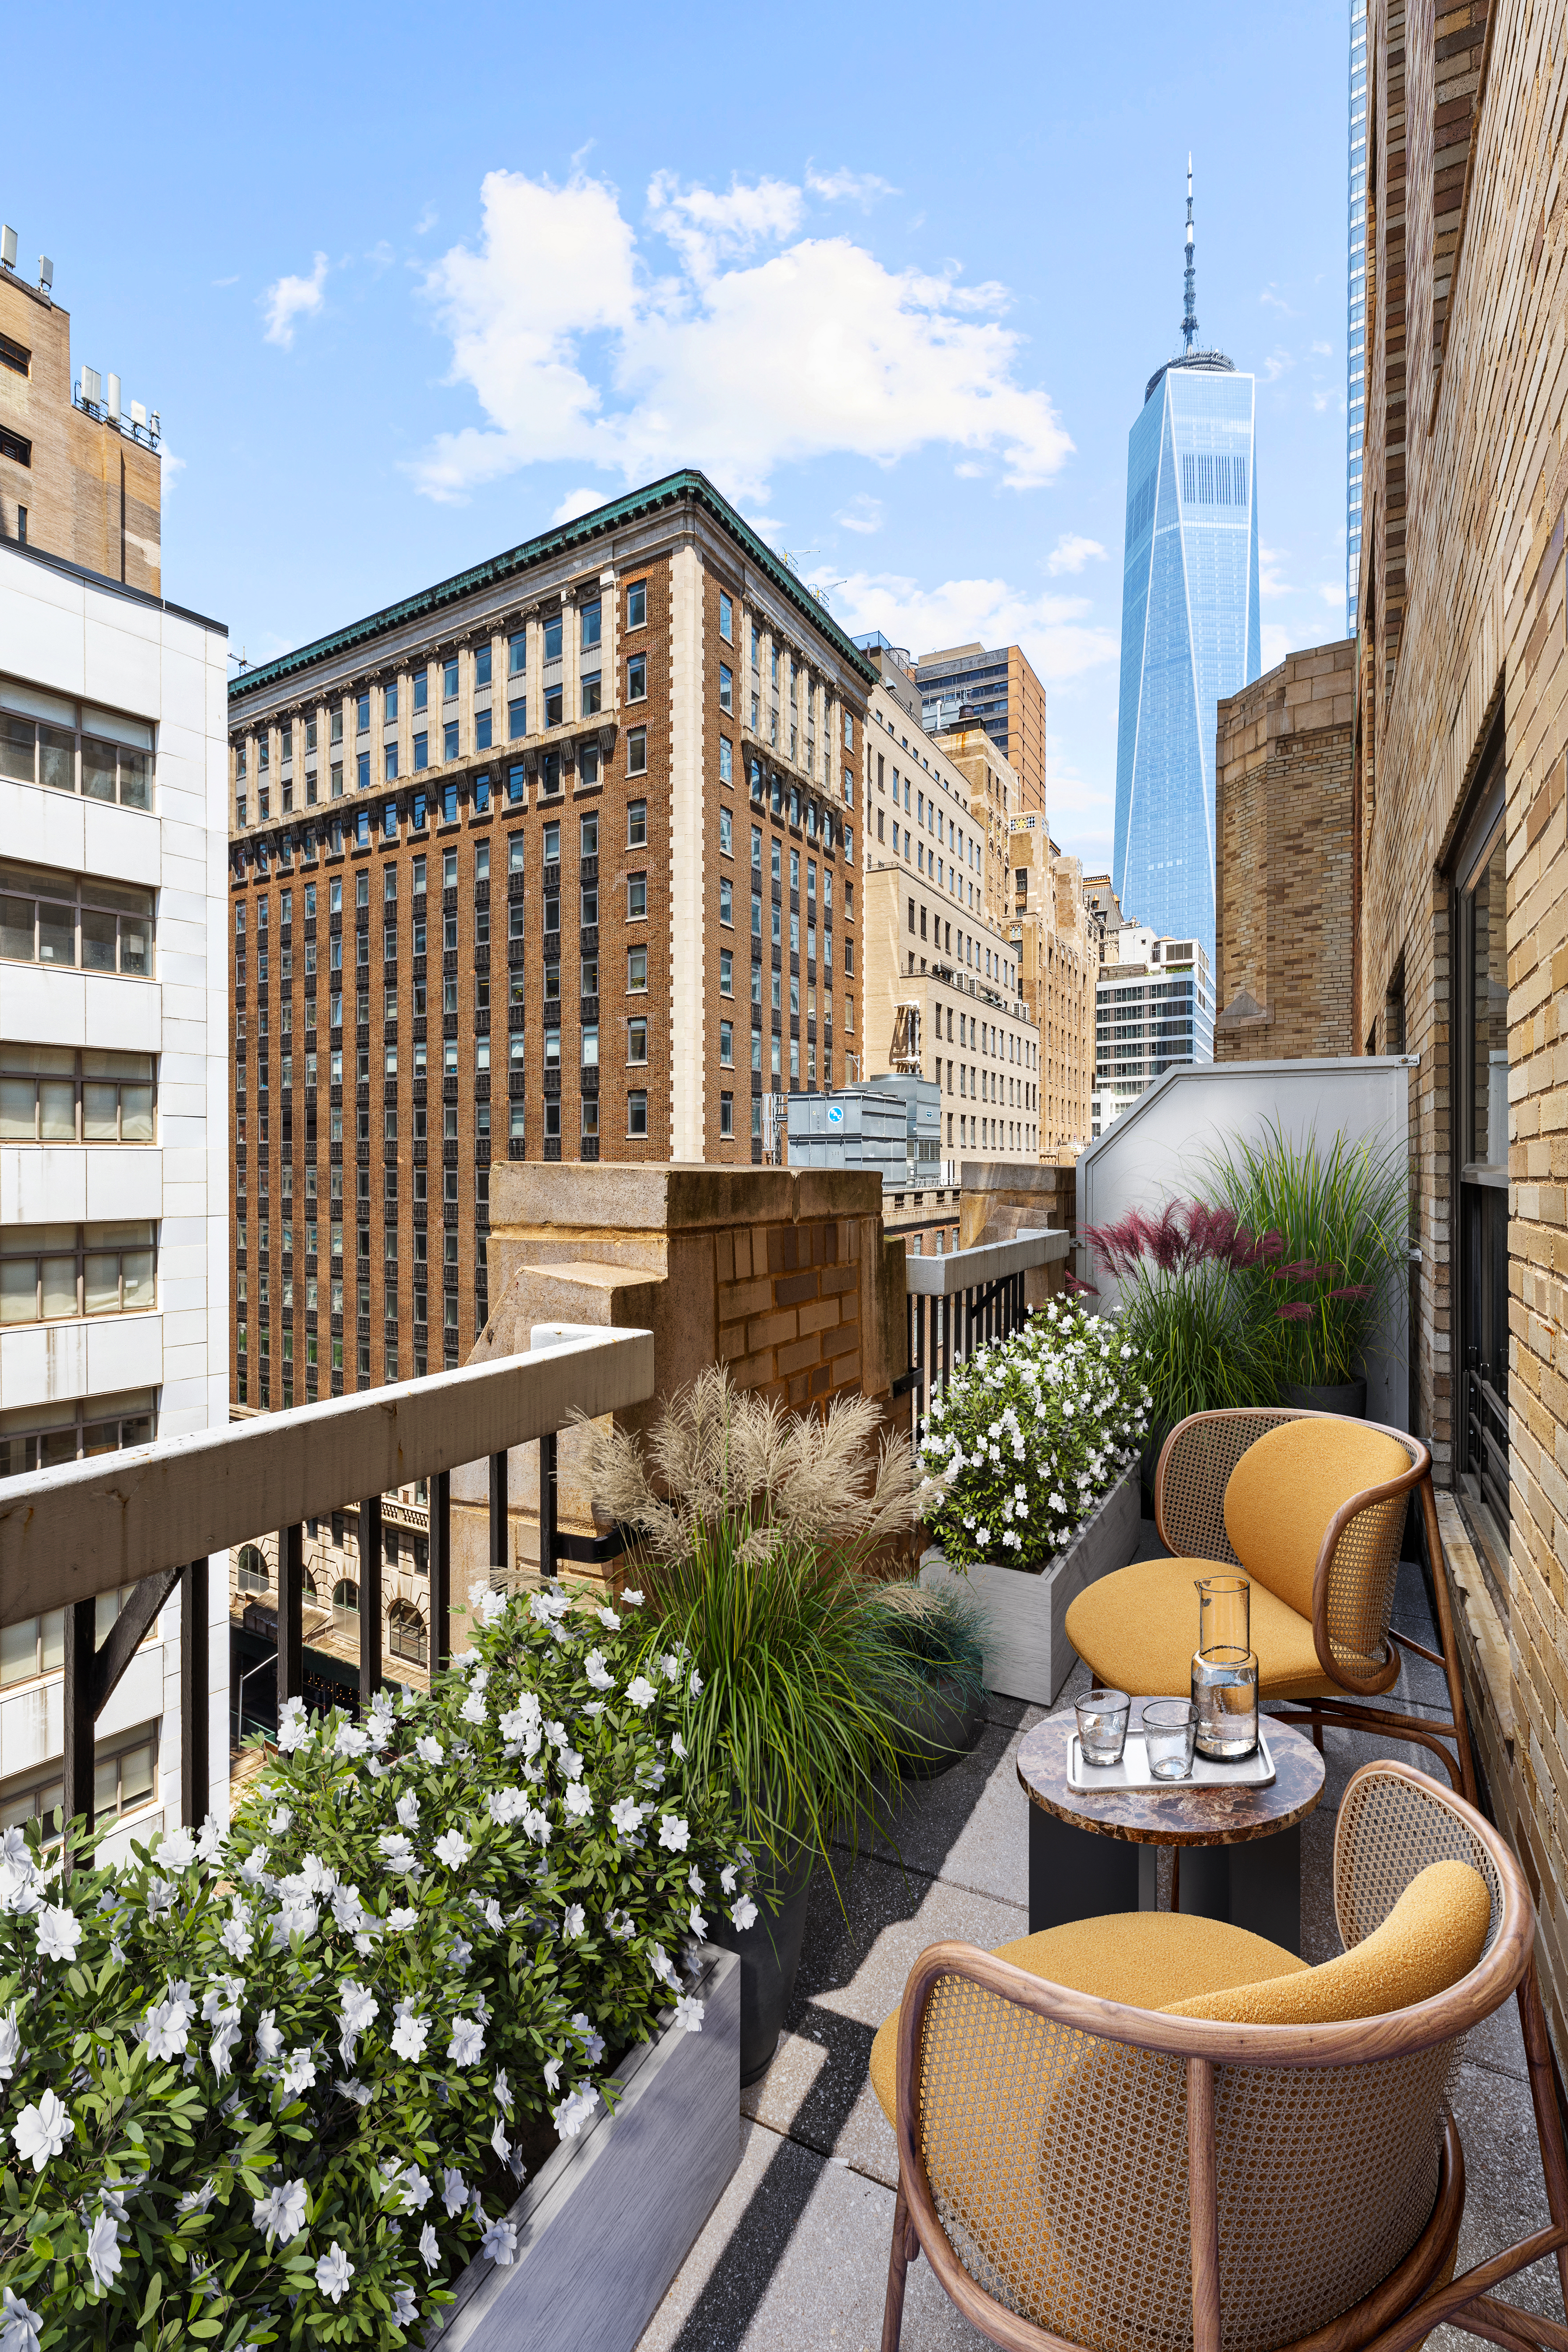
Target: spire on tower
<point>1190,315</point>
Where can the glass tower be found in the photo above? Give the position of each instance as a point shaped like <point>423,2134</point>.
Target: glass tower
<point>1191,629</point>
<point>1355,318</point>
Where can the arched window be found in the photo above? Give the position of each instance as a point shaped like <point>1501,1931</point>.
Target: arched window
<point>345,1604</point>
<point>405,1634</point>
<point>253,1571</point>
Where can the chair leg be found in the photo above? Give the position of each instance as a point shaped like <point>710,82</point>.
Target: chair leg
<point>905,2250</point>
<point>1548,2117</point>
<point>1445,1631</point>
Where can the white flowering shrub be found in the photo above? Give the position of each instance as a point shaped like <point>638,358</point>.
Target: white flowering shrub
<point>1029,1435</point>
<point>269,2087</point>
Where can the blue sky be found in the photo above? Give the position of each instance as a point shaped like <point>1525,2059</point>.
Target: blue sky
<point>406,287</point>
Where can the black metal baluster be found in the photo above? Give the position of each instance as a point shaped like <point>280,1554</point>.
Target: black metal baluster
<point>497,1521</point>
<point>548,1496</point>
<point>368,1601</point>
<point>290,1614</point>
<point>440,1570</point>
<point>78,1695</point>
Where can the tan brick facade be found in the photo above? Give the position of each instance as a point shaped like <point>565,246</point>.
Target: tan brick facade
<point>90,492</point>
<point>1462,830</point>
<point>1284,901</point>
<point>1057,941</point>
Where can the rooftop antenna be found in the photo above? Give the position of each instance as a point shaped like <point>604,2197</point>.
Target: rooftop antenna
<point>1190,316</point>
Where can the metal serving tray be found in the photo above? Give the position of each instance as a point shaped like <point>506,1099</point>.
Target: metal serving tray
<point>1254,1771</point>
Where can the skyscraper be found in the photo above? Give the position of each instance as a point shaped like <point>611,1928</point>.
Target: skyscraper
<point>1190,623</point>
<point>1356,313</point>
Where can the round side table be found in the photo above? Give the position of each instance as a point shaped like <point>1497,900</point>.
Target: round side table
<point>1240,1848</point>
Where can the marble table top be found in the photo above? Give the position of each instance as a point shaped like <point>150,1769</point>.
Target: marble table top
<point>1181,1814</point>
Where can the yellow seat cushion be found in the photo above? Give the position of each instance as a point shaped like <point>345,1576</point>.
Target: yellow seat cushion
<point>1287,1487</point>
<point>1144,1957</point>
<point>1138,1629</point>
<point>1430,1940</point>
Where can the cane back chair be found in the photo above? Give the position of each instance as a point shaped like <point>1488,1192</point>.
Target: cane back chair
<point>1088,2176</point>
<point>1311,1507</point>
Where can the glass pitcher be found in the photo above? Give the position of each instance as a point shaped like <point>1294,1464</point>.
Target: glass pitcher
<point>1224,1670</point>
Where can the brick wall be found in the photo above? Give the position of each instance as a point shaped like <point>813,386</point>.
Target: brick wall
<point>789,1307</point>
<point>1284,907</point>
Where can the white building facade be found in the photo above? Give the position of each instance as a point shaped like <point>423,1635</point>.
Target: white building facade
<point>1154,1008</point>
<point>113,1116</point>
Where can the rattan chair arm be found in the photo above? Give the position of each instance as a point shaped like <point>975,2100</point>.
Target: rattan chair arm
<point>1364,1685</point>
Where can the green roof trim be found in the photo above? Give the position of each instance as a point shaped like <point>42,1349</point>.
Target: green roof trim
<point>582,531</point>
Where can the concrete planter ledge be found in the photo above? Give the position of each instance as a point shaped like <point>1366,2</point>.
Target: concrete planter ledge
<point>1027,1654</point>
<point>605,2224</point>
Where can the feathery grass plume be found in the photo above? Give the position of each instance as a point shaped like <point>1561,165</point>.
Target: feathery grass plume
<point>1183,1303</point>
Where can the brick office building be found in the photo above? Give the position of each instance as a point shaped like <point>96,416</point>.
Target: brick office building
<point>553,861</point>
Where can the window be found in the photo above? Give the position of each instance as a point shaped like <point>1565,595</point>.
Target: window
<point>726,899</point>
<point>591,691</point>
<point>636,751</point>
<point>60,919</point>
<point>593,619</point>
<point>421,752</point>
<point>637,825</point>
<point>362,715</point>
<point>449,740</point>
<point>361,770</point>
<point>636,679</point>
<point>482,666</point>
<point>553,634</point>
<point>636,897</point>
<point>727,1044</point>
<point>552,845</point>
<point>590,911</point>
<point>51,1272</point>
<point>391,758</point>
<point>726,972</point>
<point>590,836</point>
<point>637,970</point>
<point>32,751</point>
<point>637,1113</point>
<point>726,617</point>
<point>51,1094</point>
<point>726,1115</point>
<point>726,761</point>
<point>482,730</point>
<point>637,604</point>
<point>449,679</point>
<point>41,1437</point>
<point>726,841</point>
<point>726,688</point>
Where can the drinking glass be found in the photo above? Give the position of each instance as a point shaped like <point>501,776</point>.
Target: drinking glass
<point>1224,1670</point>
<point>1102,1726</point>
<point>1170,1727</point>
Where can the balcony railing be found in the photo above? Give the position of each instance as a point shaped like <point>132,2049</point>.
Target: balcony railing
<point>960,1302</point>
<point>154,1516</point>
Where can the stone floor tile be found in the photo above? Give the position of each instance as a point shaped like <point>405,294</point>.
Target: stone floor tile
<point>970,1824</point>
<point>856,1960</point>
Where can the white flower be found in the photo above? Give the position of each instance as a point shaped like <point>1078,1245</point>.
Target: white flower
<point>358,2006</point>
<point>410,2033</point>
<point>453,2190</point>
<point>574,2110</point>
<point>695,1685</point>
<point>176,1850</point>
<point>268,2040</point>
<point>503,2090</point>
<point>397,1853</point>
<point>429,1751</point>
<point>293,1724</point>
<point>598,1675</point>
<point>467,2045</point>
<point>626,1816</point>
<point>696,1923</point>
<point>194,2200</point>
<point>209,1845</point>
<point>417,2189</point>
<point>169,2024</point>
<point>474,1709</point>
<point>500,2142</point>
<point>333,2271</point>
<point>220,2047</point>
<point>593,2043</point>
<point>608,1619</point>
<point>358,2092</point>
<point>253,1869</point>
<point>493,1605</point>
<point>664,1968</point>
<point>10,2044</point>
<point>632,1600</point>
<point>674,1834</point>
<point>669,1665</point>
<point>21,2326</point>
<point>499,2242</point>
<point>299,2073</point>
<point>727,1877</point>
<point>689,2013</point>
<point>453,1850</point>
<point>641,1692</point>
<point>578,1802</point>
<point>282,2212</point>
<point>570,1764</point>
<point>405,2307</point>
<point>349,1741</point>
<point>744,1912</point>
<point>621,1926</point>
<point>348,1910</point>
<point>41,2132</point>
<point>571,1923</point>
<point>490,1912</point>
<point>280,1818</point>
<point>429,2252</point>
<point>59,1932</point>
<point>408,1811</point>
<point>103,2252</point>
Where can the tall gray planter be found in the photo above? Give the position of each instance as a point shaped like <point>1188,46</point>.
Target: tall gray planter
<point>605,2224</point>
<point>1027,1654</point>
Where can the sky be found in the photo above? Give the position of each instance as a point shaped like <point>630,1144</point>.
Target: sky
<point>407,287</point>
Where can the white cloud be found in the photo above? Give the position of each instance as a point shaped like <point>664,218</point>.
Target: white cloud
<point>1276,301</point>
<point>427,221</point>
<point>1082,813</point>
<point>1070,553</point>
<point>227,281</point>
<point>1270,580</point>
<point>756,352</point>
<point>1324,351</point>
<point>861,188</point>
<point>1056,632</point>
<point>1278,362</point>
<point>169,471</point>
<point>1319,401</point>
<point>577,502</point>
<point>1278,641</point>
<point>1333,593</point>
<point>289,298</point>
<point>381,257</point>
<point>863,513</point>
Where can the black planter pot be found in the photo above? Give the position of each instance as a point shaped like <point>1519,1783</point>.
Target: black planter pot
<point>1347,1398</point>
<point>769,1955</point>
<point>1148,1461</point>
<point>940,1727</point>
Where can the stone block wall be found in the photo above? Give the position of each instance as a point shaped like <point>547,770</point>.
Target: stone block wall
<point>1284,904</point>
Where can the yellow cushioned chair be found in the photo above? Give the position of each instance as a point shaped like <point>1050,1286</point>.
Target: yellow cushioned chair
<point>1311,1507</point>
<point>1161,2132</point>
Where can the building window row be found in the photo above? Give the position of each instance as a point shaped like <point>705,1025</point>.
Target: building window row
<point>51,1273</point>
<point>51,1094</point>
<point>74,921</point>
<point>78,752</point>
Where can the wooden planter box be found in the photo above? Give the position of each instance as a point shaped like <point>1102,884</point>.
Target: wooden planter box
<point>1028,1654</point>
<point>605,2224</point>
